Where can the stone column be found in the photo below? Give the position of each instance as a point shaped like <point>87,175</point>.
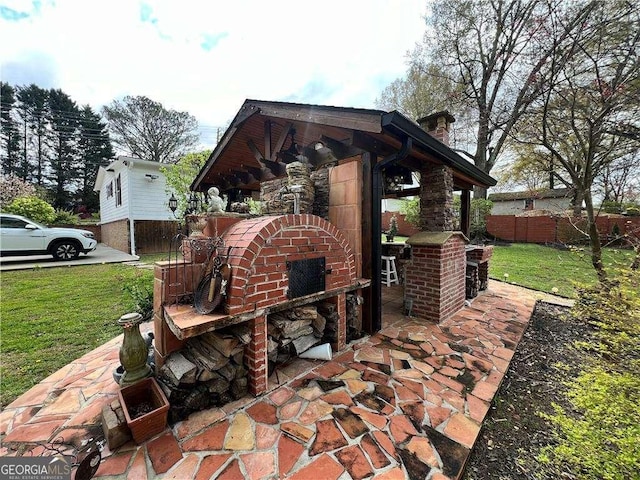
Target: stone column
<point>436,198</point>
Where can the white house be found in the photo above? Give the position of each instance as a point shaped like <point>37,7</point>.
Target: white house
<point>134,206</point>
<point>515,203</point>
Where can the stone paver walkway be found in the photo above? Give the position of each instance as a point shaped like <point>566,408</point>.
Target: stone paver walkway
<point>407,402</point>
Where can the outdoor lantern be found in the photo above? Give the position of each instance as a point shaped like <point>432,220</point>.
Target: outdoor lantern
<point>193,202</point>
<point>173,204</point>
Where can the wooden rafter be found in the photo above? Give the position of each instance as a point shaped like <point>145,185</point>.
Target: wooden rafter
<point>267,139</point>
<point>281,139</point>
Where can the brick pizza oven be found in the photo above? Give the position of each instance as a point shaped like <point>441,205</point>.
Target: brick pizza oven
<point>277,262</point>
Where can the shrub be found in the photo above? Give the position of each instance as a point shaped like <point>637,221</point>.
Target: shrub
<point>609,206</point>
<point>65,217</point>
<point>632,211</point>
<point>33,208</point>
<point>139,289</point>
<point>604,440</point>
<point>599,437</point>
<point>411,211</point>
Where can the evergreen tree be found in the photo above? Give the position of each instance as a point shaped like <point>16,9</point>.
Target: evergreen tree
<point>9,130</point>
<point>95,149</point>
<point>33,113</point>
<point>65,121</point>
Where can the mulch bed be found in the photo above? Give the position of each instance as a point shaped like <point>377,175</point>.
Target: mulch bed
<point>513,432</point>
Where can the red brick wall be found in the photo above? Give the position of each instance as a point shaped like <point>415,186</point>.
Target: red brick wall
<point>548,229</point>
<point>261,246</point>
<point>435,279</point>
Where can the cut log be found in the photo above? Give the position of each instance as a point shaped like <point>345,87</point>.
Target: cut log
<point>302,344</point>
<point>228,371</point>
<point>205,356</point>
<point>306,312</point>
<point>242,332</point>
<point>180,370</point>
<point>218,385</point>
<point>319,323</point>
<point>227,345</point>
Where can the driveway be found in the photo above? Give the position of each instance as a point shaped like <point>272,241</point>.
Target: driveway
<point>102,254</point>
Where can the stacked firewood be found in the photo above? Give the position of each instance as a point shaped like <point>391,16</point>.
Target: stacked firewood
<point>293,331</point>
<point>354,322</point>
<point>208,371</point>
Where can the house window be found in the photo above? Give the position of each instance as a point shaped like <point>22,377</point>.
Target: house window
<point>529,204</point>
<point>110,190</point>
<point>118,191</point>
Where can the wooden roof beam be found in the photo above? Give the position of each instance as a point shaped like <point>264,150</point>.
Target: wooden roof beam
<point>276,168</point>
<point>280,142</point>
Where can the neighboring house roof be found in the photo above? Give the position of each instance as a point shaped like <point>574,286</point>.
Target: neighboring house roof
<point>545,193</point>
<point>121,162</point>
<point>251,148</point>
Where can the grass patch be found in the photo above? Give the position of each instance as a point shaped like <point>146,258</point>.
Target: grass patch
<point>152,258</point>
<point>544,268</point>
<point>52,316</point>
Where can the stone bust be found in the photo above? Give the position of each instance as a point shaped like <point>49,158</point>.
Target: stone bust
<point>216,205</point>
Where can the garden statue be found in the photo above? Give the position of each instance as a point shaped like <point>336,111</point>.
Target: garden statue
<point>216,204</point>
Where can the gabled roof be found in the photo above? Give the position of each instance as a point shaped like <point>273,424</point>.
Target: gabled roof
<point>255,145</point>
<point>121,162</point>
<point>542,193</point>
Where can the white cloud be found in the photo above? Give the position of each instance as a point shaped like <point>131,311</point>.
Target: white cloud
<point>331,52</point>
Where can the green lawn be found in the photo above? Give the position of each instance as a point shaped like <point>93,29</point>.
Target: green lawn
<point>545,268</point>
<point>51,316</point>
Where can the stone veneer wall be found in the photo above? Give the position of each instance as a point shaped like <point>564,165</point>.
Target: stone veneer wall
<point>435,278</point>
<point>277,200</point>
<point>436,198</point>
<point>320,179</point>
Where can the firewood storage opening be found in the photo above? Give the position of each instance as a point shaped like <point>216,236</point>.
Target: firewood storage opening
<point>293,287</point>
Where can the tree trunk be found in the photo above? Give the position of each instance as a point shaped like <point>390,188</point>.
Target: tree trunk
<point>578,198</point>
<point>480,192</point>
<point>594,240</point>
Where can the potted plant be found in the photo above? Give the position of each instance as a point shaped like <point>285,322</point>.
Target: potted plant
<point>145,408</point>
<point>393,228</point>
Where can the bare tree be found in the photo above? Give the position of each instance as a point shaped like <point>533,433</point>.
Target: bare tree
<point>587,118</point>
<point>496,52</point>
<point>620,180</point>
<point>145,129</point>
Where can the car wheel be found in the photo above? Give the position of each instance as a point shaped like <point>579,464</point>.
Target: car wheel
<point>66,250</point>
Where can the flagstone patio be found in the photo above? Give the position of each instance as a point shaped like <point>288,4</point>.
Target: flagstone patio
<point>407,402</point>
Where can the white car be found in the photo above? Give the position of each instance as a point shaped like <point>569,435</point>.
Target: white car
<point>21,236</point>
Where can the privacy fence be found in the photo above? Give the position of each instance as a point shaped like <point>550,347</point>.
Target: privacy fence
<point>558,229</point>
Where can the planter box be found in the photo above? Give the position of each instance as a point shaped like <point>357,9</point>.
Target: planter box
<point>147,396</point>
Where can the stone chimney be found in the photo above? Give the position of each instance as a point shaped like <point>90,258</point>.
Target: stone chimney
<point>437,125</point>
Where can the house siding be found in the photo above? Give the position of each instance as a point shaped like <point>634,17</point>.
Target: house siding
<point>515,207</point>
<point>149,200</point>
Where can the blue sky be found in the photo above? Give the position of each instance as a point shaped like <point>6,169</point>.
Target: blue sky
<point>207,57</point>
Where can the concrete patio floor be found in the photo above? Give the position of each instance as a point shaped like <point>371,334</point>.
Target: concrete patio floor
<point>407,402</point>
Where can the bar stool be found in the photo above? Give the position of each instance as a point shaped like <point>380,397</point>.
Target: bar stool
<point>389,272</point>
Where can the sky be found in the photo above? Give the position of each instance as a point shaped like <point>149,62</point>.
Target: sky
<point>207,57</point>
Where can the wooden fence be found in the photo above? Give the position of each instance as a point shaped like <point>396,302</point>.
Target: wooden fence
<point>154,236</point>
<point>558,229</point>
